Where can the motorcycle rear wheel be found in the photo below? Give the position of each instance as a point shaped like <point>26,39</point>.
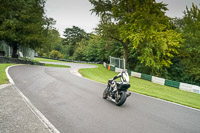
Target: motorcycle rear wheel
<point>121,100</point>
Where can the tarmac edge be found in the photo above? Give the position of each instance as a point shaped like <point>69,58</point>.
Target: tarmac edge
<point>37,113</point>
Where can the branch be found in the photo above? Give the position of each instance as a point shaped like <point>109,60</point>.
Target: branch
<point>117,39</point>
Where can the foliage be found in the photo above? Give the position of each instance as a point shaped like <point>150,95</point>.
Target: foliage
<point>55,54</point>
<point>22,23</point>
<point>110,23</point>
<point>72,37</point>
<point>148,30</point>
<point>140,31</point>
<point>52,42</point>
<point>97,49</point>
<point>191,47</point>
<point>144,25</point>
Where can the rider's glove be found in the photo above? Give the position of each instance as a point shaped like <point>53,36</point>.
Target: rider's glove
<point>110,80</point>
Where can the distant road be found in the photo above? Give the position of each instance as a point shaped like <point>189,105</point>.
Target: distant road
<point>75,105</point>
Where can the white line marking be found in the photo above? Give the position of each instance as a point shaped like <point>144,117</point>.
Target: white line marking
<point>4,86</point>
<point>167,101</point>
<point>37,113</point>
<point>9,78</point>
<point>75,72</point>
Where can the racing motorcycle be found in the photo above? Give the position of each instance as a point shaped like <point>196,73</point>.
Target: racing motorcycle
<point>116,91</point>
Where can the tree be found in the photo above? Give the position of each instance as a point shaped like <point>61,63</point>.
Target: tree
<point>72,37</point>
<point>22,23</point>
<point>97,49</point>
<point>141,23</point>
<point>53,41</point>
<point>190,50</point>
<point>109,26</point>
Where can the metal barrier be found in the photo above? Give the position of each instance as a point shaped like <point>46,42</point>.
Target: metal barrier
<point>117,62</point>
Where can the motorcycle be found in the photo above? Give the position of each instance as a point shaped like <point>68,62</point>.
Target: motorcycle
<point>116,91</point>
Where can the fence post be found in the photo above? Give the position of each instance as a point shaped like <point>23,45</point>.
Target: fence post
<point>119,63</point>
<point>124,64</point>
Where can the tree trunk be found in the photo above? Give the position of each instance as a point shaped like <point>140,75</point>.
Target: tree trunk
<point>14,53</point>
<point>125,45</point>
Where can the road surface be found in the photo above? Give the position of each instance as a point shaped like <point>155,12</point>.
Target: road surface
<point>75,105</point>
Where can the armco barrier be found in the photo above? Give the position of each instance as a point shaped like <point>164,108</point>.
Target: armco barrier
<point>185,87</point>
<point>136,74</point>
<point>172,83</point>
<point>104,64</point>
<point>112,68</point>
<point>157,80</point>
<point>196,89</point>
<point>161,81</point>
<point>118,70</point>
<point>146,77</point>
<point>189,87</point>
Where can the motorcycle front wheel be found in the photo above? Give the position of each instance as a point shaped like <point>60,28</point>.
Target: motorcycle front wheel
<point>120,98</point>
<point>105,95</point>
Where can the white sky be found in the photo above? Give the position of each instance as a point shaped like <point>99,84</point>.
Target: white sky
<point>68,13</point>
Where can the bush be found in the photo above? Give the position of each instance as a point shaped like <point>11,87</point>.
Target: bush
<point>55,54</point>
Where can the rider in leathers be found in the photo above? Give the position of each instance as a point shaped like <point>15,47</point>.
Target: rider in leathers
<point>121,75</point>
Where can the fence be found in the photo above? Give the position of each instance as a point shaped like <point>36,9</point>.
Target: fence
<point>7,49</point>
<point>117,62</point>
<point>23,51</point>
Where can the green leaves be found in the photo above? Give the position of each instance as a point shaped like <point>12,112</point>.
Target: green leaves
<point>148,30</point>
<point>74,35</point>
<point>191,46</point>
<point>22,23</point>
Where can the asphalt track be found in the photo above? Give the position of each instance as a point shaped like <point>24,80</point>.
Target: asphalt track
<point>75,105</point>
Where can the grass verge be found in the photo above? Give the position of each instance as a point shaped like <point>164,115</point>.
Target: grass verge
<point>47,60</point>
<point>3,76</point>
<point>55,65</point>
<point>141,86</point>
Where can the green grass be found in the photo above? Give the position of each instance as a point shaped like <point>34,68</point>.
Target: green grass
<point>55,65</point>
<point>3,77</point>
<point>50,60</point>
<point>141,86</point>
<point>46,60</point>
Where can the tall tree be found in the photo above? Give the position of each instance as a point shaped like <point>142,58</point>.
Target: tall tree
<point>142,23</point>
<point>72,37</point>
<point>22,23</point>
<point>191,46</point>
<point>53,41</point>
<point>151,35</point>
<point>110,23</point>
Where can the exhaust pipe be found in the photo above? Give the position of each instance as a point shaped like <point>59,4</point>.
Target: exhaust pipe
<point>111,99</point>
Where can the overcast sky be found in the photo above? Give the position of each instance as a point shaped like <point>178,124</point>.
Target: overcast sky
<point>68,13</point>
